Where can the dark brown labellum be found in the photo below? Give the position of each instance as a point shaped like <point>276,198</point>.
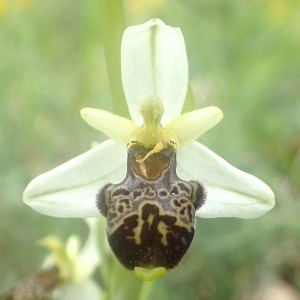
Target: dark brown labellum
<point>151,213</point>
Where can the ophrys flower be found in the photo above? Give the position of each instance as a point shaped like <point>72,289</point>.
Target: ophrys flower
<point>155,76</point>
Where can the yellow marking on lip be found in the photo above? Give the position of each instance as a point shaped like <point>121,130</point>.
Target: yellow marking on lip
<point>150,219</point>
<point>163,230</point>
<point>137,231</point>
<point>158,147</point>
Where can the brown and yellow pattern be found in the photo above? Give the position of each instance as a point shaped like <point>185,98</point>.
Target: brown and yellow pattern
<point>151,214</point>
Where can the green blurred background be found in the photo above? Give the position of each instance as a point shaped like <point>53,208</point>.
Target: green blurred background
<point>243,57</point>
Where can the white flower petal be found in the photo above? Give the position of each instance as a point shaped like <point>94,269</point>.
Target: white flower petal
<point>85,290</point>
<point>73,246</point>
<point>189,126</point>
<point>114,126</point>
<point>153,61</point>
<point>230,192</point>
<point>89,256</point>
<point>69,190</point>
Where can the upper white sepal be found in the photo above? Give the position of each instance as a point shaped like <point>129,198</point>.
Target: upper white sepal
<point>154,63</point>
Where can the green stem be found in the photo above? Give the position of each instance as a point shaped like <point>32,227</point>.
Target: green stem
<point>189,102</point>
<point>145,290</point>
<point>113,25</point>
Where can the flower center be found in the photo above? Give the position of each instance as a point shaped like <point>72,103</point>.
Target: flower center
<point>152,134</point>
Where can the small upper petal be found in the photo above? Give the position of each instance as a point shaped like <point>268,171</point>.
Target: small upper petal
<point>114,126</point>
<point>70,189</point>
<point>189,126</point>
<point>154,63</point>
<point>230,192</point>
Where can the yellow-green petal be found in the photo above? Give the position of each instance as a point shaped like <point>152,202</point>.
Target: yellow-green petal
<point>189,126</point>
<point>113,126</point>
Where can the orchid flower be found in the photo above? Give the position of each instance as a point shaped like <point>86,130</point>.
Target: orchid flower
<point>155,78</point>
<point>75,267</point>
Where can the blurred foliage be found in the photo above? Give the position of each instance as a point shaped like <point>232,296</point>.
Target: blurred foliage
<point>243,57</point>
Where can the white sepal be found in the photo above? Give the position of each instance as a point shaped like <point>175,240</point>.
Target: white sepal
<point>70,189</point>
<point>154,63</point>
<point>230,192</point>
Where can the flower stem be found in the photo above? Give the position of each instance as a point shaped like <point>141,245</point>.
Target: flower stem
<point>113,25</point>
<point>145,290</point>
